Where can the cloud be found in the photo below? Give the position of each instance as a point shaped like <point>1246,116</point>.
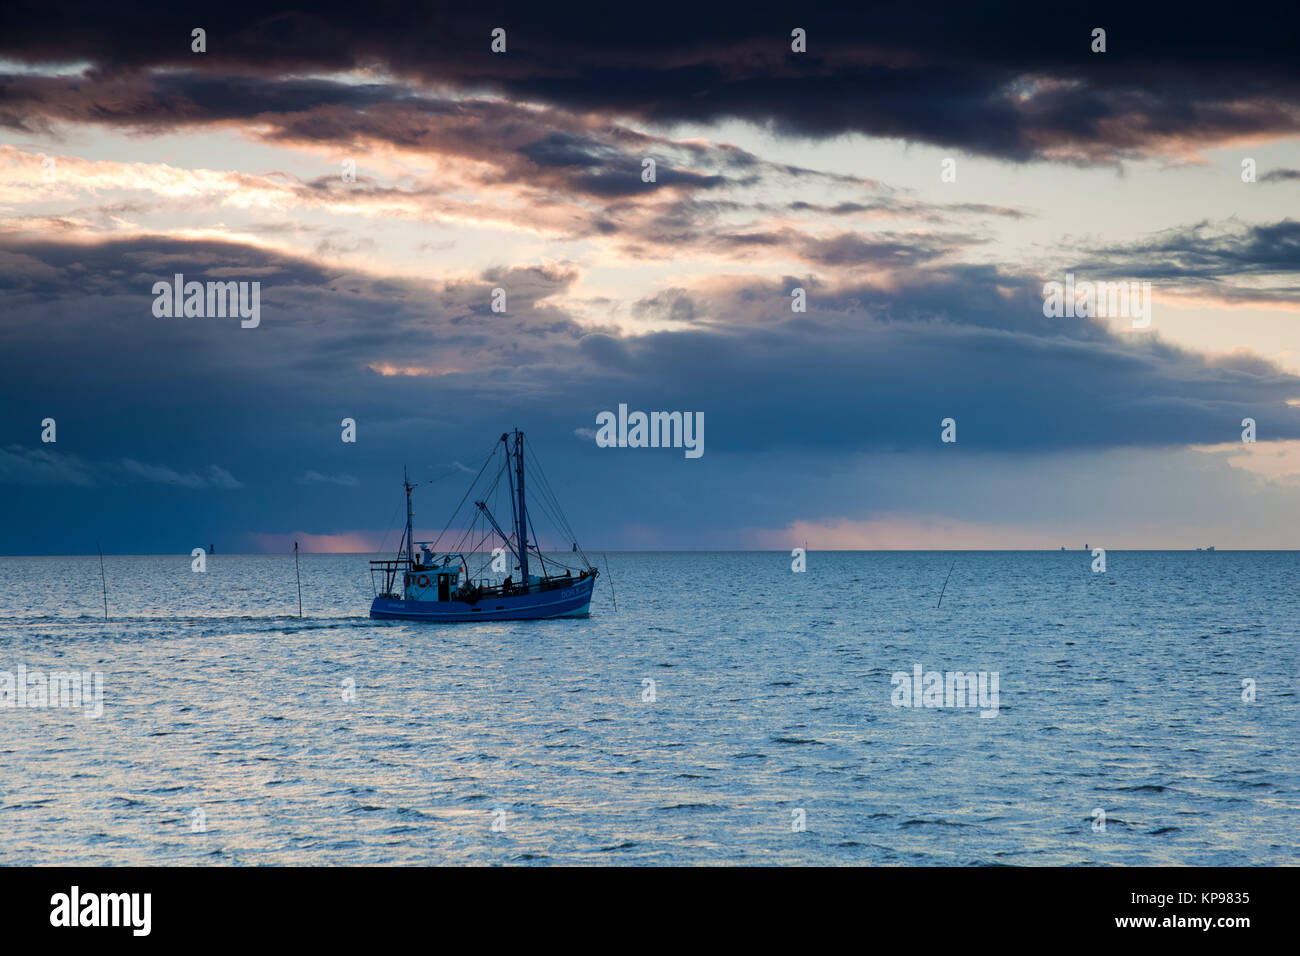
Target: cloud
<point>37,466</point>
<point>1228,262</point>
<point>1274,461</point>
<point>934,341</point>
<point>343,478</point>
<point>213,477</point>
<point>1018,82</point>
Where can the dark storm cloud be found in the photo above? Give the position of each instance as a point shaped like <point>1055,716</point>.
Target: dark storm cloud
<point>320,327</point>
<point>197,424</point>
<point>1016,81</point>
<point>963,338</point>
<point>866,368</point>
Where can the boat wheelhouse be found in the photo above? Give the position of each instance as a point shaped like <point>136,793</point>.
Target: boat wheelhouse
<point>432,585</point>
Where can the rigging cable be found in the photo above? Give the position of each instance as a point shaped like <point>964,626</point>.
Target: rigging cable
<point>467,493</point>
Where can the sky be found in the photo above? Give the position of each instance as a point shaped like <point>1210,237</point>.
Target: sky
<point>921,173</point>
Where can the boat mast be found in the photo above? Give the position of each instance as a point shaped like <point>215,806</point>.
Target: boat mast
<point>521,530</point>
<point>410,546</point>
<point>514,501</point>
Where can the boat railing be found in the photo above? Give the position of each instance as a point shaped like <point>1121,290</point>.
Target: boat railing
<point>388,570</point>
<point>551,583</point>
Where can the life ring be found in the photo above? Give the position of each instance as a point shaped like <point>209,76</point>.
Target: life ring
<point>423,581</point>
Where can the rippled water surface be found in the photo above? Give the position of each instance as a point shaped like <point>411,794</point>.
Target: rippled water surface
<point>1119,691</point>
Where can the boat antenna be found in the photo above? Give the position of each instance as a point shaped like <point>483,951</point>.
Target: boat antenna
<point>945,584</point>
<point>102,581</point>
<point>611,582</point>
<point>298,576</point>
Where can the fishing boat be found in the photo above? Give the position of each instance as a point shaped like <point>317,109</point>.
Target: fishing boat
<point>461,582</point>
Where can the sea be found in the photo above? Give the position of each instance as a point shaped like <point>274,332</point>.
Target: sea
<point>716,708</point>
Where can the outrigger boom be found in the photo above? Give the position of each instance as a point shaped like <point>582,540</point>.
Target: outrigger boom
<point>439,586</point>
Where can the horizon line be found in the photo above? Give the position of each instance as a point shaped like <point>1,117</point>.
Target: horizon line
<point>344,554</point>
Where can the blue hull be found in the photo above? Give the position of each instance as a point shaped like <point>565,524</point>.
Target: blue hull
<point>572,601</point>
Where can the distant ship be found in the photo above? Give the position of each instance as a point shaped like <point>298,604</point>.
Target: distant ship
<point>433,586</point>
